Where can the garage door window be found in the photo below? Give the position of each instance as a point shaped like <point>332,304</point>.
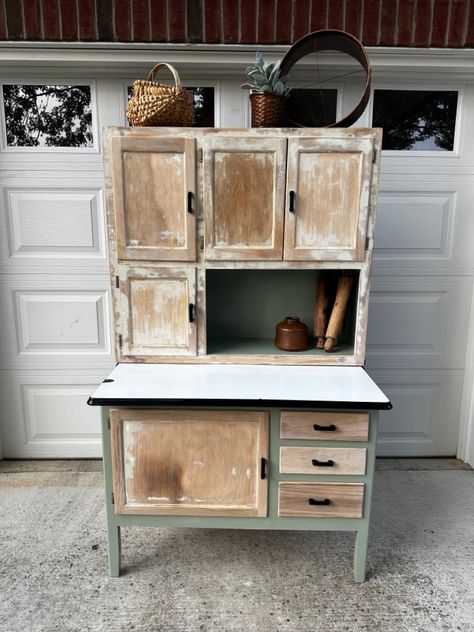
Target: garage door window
<point>416,120</point>
<point>47,116</point>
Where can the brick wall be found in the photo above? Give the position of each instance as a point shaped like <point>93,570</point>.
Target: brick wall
<point>438,23</point>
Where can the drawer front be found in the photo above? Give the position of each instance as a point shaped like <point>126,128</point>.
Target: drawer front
<point>324,426</point>
<point>320,500</point>
<point>315,460</point>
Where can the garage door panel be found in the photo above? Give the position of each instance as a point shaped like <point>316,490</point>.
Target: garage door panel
<point>418,322</point>
<point>426,407</point>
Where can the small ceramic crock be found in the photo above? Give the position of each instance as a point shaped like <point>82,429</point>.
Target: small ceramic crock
<point>291,335</point>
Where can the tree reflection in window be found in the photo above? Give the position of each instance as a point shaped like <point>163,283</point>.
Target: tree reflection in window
<point>48,115</point>
<point>203,105</point>
<point>416,119</point>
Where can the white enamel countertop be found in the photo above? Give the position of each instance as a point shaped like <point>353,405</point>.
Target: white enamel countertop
<point>143,384</point>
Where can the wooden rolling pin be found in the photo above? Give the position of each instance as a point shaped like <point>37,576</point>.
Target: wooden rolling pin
<point>338,312</point>
<point>320,320</point>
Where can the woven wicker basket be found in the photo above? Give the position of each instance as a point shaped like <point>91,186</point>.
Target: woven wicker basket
<point>159,104</point>
<point>267,109</point>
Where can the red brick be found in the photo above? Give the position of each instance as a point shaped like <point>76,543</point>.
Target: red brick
<point>248,21</point>
<point>406,19</point>
<point>457,23</point>
<point>212,10</point>
<point>14,20</point>
<point>194,22</point>
<point>86,20</point>
<point>387,22</point>
<point>49,9</point>
<point>336,14</point>
<point>31,13</point>
<point>105,20</point>
<point>231,22</point>
<point>354,18</point>
<point>440,23</point>
<point>68,11</point>
<point>301,22</point>
<point>140,21</point>
<point>283,21</point>
<point>318,18</point>
<point>159,21</point>
<point>177,21</point>
<point>423,20</point>
<point>370,27</point>
<point>3,25</point>
<point>470,26</point>
<point>266,19</point>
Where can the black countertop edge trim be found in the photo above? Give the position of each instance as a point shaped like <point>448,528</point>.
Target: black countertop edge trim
<point>267,403</point>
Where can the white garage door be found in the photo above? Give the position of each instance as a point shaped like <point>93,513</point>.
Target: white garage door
<point>55,311</point>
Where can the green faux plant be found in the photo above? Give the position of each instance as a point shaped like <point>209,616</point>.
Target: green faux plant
<point>264,77</point>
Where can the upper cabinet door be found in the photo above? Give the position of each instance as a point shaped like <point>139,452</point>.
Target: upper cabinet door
<point>154,182</point>
<point>244,183</point>
<point>157,312</point>
<point>328,194</point>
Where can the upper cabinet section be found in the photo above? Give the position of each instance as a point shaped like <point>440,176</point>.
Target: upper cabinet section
<point>244,197</point>
<point>154,198</point>
<point>328,191</point>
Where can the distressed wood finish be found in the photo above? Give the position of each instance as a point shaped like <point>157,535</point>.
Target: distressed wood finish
<point>192,463</point>
<point>346,500</point>
<point>155,312</point>
<point>152,179</point>
<point>244,180</point>
<point>331,183</point>
<point>296,424</point>
<point>299,460</point>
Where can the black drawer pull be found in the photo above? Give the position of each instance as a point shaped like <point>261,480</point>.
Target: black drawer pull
<point>292,201</point>
<point>190,202</point>
<point>263,468</point>
<point>315,501</point>
<point>330,428</point>
<point>192,313</point>
<point>317,463</point>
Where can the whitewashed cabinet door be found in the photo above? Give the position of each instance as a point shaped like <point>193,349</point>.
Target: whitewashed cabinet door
<point>328,189</point>
<point>244,182</point>
<point>156,312</point>
<point>154,182</point>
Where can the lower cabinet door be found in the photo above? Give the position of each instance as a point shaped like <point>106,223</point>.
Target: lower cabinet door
<point>180,462</point>
<point>320,500</point>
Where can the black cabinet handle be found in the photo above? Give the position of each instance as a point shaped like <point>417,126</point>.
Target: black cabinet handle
<point>192,314</point>
<point>329,428</point>
<point>315,501</point>
<point>263,468</point>
<point>190,202</point>
<point>292,201</point>
<point>317,463</point>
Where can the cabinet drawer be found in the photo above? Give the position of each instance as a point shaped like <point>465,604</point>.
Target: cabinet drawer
<point>314,460</point>
<point>320,500</point>
<point>324,426</point>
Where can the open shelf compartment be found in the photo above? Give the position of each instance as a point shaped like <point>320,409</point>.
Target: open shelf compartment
<point>243,308</point>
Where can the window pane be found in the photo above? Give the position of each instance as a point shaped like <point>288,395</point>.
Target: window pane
<point>203,105</point>
<point>416,119</point>
<point>310,107</point>
<point>48,116</point>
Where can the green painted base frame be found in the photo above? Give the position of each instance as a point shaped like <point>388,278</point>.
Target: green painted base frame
<point>272,521</point>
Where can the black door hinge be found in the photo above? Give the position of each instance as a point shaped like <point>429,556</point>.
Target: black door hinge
<point>120,340</point>
<point>117,282</point>
<point>200,155</point>
<point>374,155</point>
<point>112,497</point>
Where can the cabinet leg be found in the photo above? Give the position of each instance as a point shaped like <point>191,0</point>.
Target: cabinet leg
<point>114,544</point>
<point>360,554</point>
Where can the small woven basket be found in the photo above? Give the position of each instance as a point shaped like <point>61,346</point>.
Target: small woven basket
<point>159,104</point>
<point>267,109</point>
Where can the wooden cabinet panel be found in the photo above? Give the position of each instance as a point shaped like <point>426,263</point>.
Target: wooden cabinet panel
<point>296,424</point>
<point>320,500</point>
<point>244,181</point>
<point>180,462</point>
<point>157,312</point>
<point>328,192</point>
<point>154,192</point>
<point>316,460</point>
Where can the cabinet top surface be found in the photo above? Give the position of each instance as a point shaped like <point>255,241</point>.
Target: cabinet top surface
<point>238,385</point>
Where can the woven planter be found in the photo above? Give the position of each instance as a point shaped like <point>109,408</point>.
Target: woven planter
<point>267,109</point>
